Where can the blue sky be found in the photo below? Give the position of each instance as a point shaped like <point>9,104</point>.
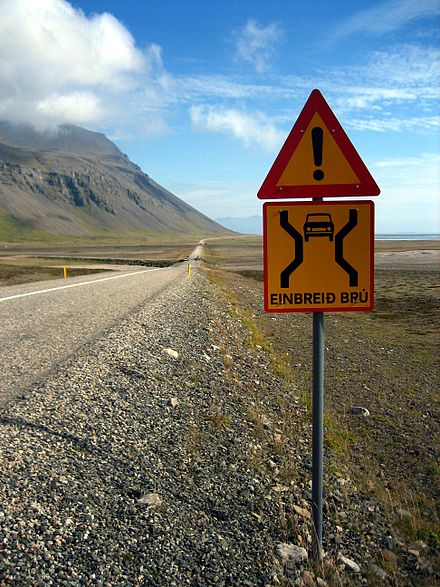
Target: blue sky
<point>202,94</point>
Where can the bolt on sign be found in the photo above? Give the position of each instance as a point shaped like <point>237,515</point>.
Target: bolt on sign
<point>318,257</point>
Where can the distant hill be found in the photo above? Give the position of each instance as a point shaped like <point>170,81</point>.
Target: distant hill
<point>72,182</point>
<point>248,225</point>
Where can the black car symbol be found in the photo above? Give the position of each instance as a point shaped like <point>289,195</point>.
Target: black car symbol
<point>318,225</point>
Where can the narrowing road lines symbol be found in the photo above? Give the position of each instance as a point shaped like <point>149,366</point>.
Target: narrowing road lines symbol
<point>299,251</point>
<point>299,244</point>
<point>339,247</point>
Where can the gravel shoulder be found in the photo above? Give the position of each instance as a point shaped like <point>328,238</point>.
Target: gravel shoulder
<point>175,450</point>
<point>104,482</point>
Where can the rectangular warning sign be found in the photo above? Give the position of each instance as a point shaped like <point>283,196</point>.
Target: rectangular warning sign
<point>318,257</point>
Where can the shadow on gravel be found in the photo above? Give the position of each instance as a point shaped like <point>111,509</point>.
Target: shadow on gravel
<point>75,440</point>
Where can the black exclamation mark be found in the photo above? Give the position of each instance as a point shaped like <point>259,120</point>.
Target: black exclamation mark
<point>317,140</point>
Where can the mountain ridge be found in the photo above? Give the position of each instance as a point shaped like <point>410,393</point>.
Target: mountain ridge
<point>77,183</point>
<point>65,137</point>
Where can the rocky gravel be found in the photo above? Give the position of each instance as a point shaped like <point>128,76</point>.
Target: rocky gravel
<point>163,454</point>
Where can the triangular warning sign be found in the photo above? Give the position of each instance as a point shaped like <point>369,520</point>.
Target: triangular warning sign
<point>317,159</point>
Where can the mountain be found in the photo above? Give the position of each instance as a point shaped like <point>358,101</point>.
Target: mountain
<point>248,225</point>
<point>72,182</point>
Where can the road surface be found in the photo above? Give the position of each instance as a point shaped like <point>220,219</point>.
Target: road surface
<point>43,323</point>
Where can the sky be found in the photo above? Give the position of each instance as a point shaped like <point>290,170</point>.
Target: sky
<point>202,93</point>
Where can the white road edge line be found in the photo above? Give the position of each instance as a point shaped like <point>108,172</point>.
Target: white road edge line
<point>34,293</point>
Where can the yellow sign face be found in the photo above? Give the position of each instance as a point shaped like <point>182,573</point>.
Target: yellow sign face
<point>317,147</point>
<point>318,257</point>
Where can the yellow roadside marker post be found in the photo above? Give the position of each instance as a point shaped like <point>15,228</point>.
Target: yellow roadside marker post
<point>65,272</point>
<point>189,269</point>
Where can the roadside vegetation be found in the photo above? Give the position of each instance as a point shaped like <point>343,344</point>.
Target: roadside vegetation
<point>387,362</point>
<point>16,274</point>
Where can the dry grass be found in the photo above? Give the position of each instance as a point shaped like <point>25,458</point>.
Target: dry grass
<point>387,361</point>
<point>158,247</point>
<point>17,274</point>
<point>25,263</point>
<point>234,251</point>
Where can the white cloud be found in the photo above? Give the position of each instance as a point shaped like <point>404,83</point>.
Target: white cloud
<point>396,90</point>
<point>77,107</point>
<point>356,97</point>
<point>218,199</point>
<point>396,124</point>
<point>404,73</point>
<point>218,86</point>
<point>230,91</point>
<point>413,172</point>
<point>405,65</point>
<point>59,65</point>
<point>388,16</point>
<point>255,43</point>
<point>399,90</point>
<point>252,129</point>
<point>409,193</point>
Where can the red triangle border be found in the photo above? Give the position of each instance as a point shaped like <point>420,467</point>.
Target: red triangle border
<point>316,103</point>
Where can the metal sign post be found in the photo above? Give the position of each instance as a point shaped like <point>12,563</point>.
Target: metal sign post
<point>318,430</point>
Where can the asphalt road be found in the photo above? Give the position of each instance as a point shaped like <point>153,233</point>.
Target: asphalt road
<point>43,323</point>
